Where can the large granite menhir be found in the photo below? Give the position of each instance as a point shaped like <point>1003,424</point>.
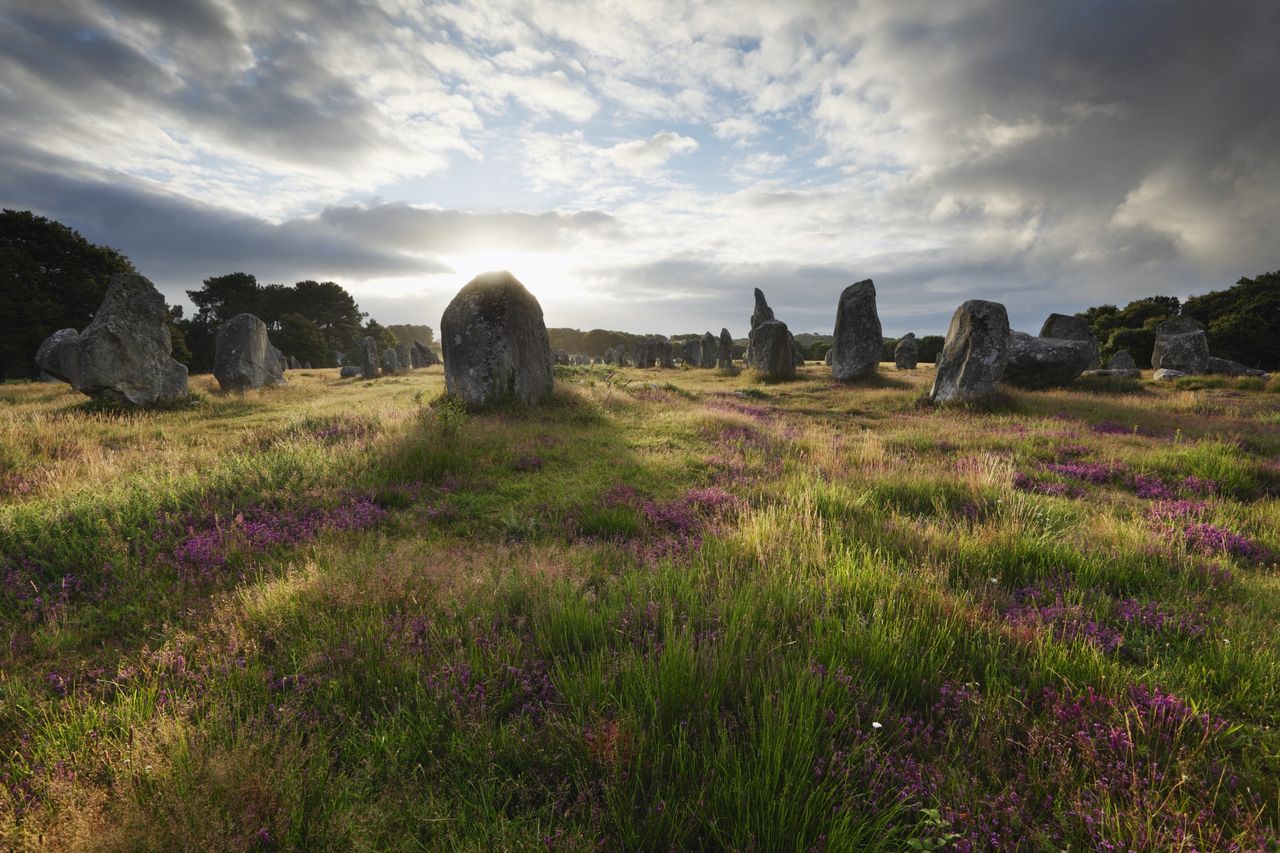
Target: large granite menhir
<point>974,355</point>
<point>244,358</point>
<point>1037,363</point>
<point>858,340</point>
<point>123,355</point>
<point>906,353</point>
<point>774,350</point>
<point>496,348</point>
<point>369,361</point>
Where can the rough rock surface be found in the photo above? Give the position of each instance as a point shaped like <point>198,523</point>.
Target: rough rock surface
<point>826,359</point>
<point>369,358</point>
<point>710,349</point>
<point>350,371</point>
<point>666,354</point>
<point>1122,361</point>
<point>1228,367</point>
<point>724,349</point>
<point>1045,362</point>
<point>402,357</point>
<point>774,350</point>
<point>496,347</point>
<point>1181,345</point>
<point>1067,327</point>
<point>390,362</point>
<point>906,353</point>
<point>858,340</point>
<point>974,355</point>
<point>244,357</point>
<point>1121,372</point>
<point>1165,374</point>
<point>426,355</point>
<point>122,356</point>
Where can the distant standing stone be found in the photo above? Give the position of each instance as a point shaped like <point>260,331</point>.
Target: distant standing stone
<point>390,362</point>
<point>724,349</point>
<point>1181,345</point>
<point>1122,361</point>
<point>1070,328</point>
<point>774,350</point>
<point>426,355</point>
<point>244,358</point>
<point>858,341</point>
<point>123,355</point>
<point>350,371</point>
<point>760,315</point>
<point>710,350</point>
<point>402,357</point>
<point>906,353</point>
<point>496,347</point>
<point>369,358</point>
<point>973,358</point>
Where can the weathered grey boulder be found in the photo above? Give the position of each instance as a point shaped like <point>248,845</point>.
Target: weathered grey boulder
<point>350,371</point>
<point>426,355</point>
<point>906,353</point>
<point>1122,361</point>
<point>855,352</point>
<point>244,358</point>
<point>1119,372</point>
<point>761,314</point>
<point>390,362</point>
<point>974,355</point>
<point>496,347</point>
<point>293,362</point>
<point>369,358</point>
<point>724,349</point>
<point>710,350</point>
<point>1227,367</point>
<point>774,350</point>
<point>1070,328</point>
<point>1045,362</point>
<point>122,356</point>
<point>1165,374</point>
<point>402,357</point>
<point>1181,345</point>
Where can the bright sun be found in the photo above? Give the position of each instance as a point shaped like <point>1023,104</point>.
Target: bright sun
<point>548,275</point>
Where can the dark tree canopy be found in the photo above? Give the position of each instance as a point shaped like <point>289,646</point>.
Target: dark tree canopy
<point>51,278</point>
<point>1243,321</point>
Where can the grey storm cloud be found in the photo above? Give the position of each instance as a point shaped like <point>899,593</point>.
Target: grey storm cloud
<point>401,226</point>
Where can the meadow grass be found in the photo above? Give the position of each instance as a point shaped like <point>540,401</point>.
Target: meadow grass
<point>671,609</point>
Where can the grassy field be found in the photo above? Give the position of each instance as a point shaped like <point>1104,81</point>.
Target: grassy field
<point>671,610</point>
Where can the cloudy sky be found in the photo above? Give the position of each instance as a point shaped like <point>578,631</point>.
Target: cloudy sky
<point>642,165</point>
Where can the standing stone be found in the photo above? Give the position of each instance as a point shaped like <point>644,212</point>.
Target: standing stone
<point>1069,328</point>
<point>667,353</point>
<point>426,355</point>
<point>760,315</point>
<point>123,355</point>
<point>906,353</point>
<point>496,347</point>
<point>774,350</point>
<point>369,358</point>
<point>349,371</point>
<point>797,354</point>
<point>724,350</point>
<point>390,362</point>
<point>691,352</point>
<point>415,358</point>
<point>1122,361</point>
<point>973,358</point>
<point>858,341</point>
<point>1181,345</point>
<point>402,357</point>
<point>1045,362</point>
<point>710,346</point>
<point>826,359</point>
<point>244,357</point>
<point>294,364</point>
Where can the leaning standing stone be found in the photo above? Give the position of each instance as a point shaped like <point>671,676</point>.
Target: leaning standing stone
<point>496,348</point>
<point>858,342</point>
<point>123,356</point>
<point>244,357</point>
<point>973,358</point>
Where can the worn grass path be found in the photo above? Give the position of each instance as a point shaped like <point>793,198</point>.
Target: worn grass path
<point>671,610</point>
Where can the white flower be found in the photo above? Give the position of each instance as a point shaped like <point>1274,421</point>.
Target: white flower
<point>876,726</point>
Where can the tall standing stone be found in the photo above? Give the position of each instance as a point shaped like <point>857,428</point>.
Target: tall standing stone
<point>390,362</point>
<point>1181,345</point>
<point>774,350</point>
<point>368,358</point>
<point>974,355</point>
<point>724,349</point>
<point>906,353</point>
<point>667,356</point>
<point>760,315</point>
<point>709,349</point>
<point>123,355</point>
<point>244,357</point>
<point>402,356</point>
<point>496,347</point>
<point>858,339</point>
